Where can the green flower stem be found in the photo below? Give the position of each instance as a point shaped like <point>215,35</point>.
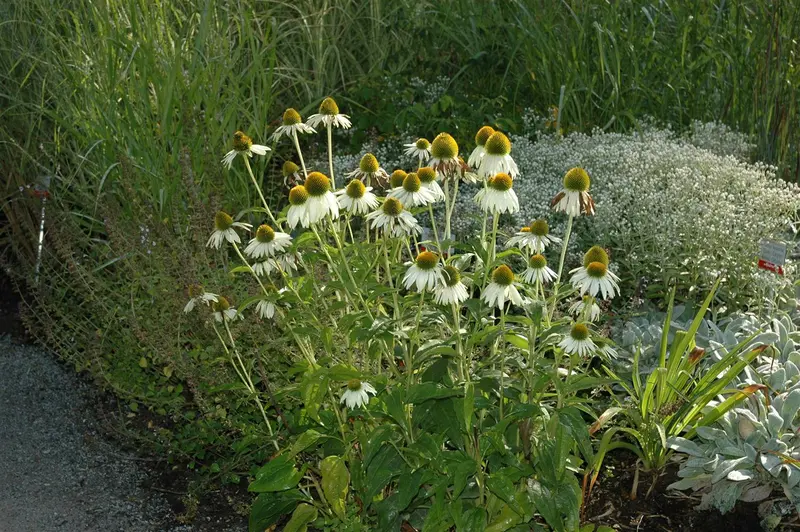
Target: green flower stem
<point>492,248</point>
<point>502,359</point>
<point>330,155</point>
<point>567,235</point>
<point>463,363</point>
<point>246,379</point>
<point>448,235</point>
<point>299,153</point>
<point>260,194</point>
<point>557,284</point>
<point>347,265</point>
<point>435,231</point>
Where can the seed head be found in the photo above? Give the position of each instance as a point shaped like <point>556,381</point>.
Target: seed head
<point>397,178</point>
<point>328,107</point>
<point>354,385</point>
<point>298,195</point>
<point>596,269</point>
<point>423,144</point>
<point>503,275</point>
<point>577,180</point>
<point>291,117</point>
<point>451,275</point>
<point>195,290</point>
<point>223,221</point>
<point>241,142</point>
<point>444,146</point>
<point>392,207</point>
<point>369,164</point>
<point>427,260</point>
<point>356,189</point>
<point>540,228</point>
<point>483,135</point>
<point>498,144</point>
<point>265,233</point>
<point>289,168</point>
<point>220,305</point>
<point>426,174</point>
<point>501,182</point>
<point>595,254</point>
<point>579,332</point>
<point>537,262</point>
<point>412,183</point>
<point>317,184</point>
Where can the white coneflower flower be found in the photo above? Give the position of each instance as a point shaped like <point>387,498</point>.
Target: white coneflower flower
<point>321,201</point>
<point>357,393</point>
<point>594,276</point>
<point>291,174</point>
<point>242,145</point>
<point>394,219</point>
<point>578,341</point>
<point>502,289</point>
<point>267,242</point>
<point>356,198</point>
<point>420,150</point>
<point>579,307</point>
<point>298,207</point>
<point>292,124</point>
<point>370,171</point>
<point>574,199</point>
<point>534,238</point>
<point>198,296</point>
<point>427,177</point>
<point>224,230</point>
<point>266,309</point>
<point>425,272</point>
<point>538,271</point>
<point>498,196</point>
<point>286,263</point>
<point>444,155</point>
<point>329,115</point>
<point>452,291</point>
<point>481,137</point>
<point>411,193</point>
<point>223,311</point>
<point>497,157</point>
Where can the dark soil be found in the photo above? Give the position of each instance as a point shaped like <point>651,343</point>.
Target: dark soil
<point>611,505</point>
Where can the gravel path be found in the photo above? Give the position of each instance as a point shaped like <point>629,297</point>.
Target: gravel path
<point>57,472</point>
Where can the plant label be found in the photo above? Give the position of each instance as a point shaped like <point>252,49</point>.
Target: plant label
<point>772,255</point>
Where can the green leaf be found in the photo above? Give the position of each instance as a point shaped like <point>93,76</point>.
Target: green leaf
<point>506,520</point>
<point>302,516</point>
<point>335,483</point>
<point>419,393</point>
<point>268,508</point>
<point>306,440</point>
<point>471,520</point>
<point>279,474</point>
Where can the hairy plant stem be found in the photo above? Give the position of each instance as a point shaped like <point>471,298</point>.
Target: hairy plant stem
<point>245,378</point>
<point>435,231</point>
<point>260,194</point>
<point>299,153</point>
<point>330,155</point>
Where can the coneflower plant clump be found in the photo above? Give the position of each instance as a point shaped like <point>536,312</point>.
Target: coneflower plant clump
<point>415,358</point>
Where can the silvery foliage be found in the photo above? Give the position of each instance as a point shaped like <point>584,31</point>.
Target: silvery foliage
<point>665,207</point>
<point>718,138</point>
<point>754,450</point>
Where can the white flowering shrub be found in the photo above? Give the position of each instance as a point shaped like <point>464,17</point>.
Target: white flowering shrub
<point>666,207</point>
